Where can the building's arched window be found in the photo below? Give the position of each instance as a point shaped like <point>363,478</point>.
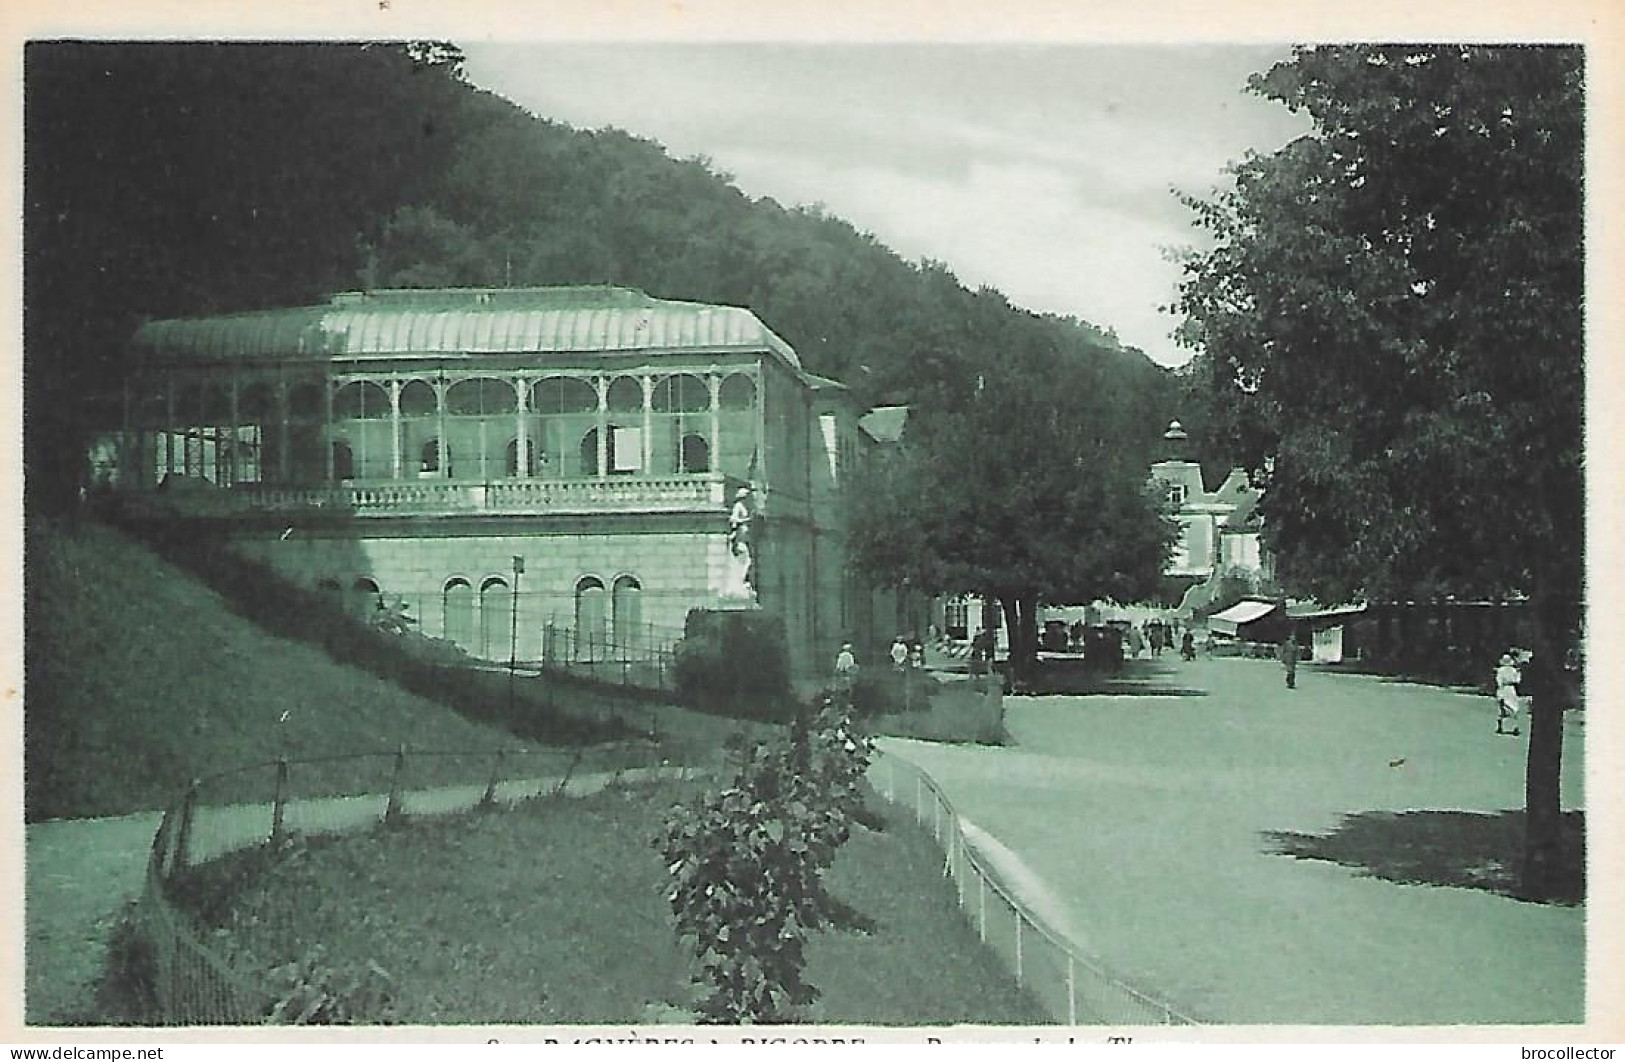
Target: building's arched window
<point>149,410</point>
<point>307,426</point>
<point>481,396</point>
<point>737,392</point>
<point>420,424</point>
<point>259,430</point>
<point>682,393</point>
<point>737,426</point>
<point>362,414</point>
<point>563,394</point>
<point>343,460</point>
<point>364,597</point>
<point>431,457</point>
<point>681,407</point>
<point>589,452</point>
<point>627,603</point>
<point>563,409</point>
<point>496,618</point>
<point>696,455</point>
<point>590,619</point>
<point>625,395</point>
<point>512,462</point>
<point>418,400</point>
<point>361,400</point>
<point>623,451</point>
<point>209,429</point>
<point>479,415</point>
<point>188,420</point>
<point>458,600</point>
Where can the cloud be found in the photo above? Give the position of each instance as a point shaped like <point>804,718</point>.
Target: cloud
<point>1043,171</point>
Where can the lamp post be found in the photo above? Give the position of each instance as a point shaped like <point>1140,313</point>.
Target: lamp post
<point>513,632</point>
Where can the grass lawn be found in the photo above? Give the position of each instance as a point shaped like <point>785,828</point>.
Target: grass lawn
<point>140,677</point>
<point>554,913</point>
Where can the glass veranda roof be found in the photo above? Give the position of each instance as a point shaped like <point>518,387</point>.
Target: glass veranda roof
<point>464,321</point>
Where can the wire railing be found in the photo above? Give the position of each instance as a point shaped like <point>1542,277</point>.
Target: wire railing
<point>1073,987</point>
<point>224,830</point>
<point>642,657</point>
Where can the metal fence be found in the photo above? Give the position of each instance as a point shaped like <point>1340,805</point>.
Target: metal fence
<point>642,657</point>
<point>243,815</point>
<point>1074,988</point>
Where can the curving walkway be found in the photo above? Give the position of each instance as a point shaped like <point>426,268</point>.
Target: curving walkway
<point>1160,817</point>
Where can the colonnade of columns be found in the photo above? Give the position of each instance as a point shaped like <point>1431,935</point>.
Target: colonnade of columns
<point>282,419</point>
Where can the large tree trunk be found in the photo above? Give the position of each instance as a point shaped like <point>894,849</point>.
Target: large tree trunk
<point>1543,774</point>
<point>1021,626</point>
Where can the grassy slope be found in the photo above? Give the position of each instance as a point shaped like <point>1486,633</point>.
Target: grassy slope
<point>555,914</point>
<point>139,677</point>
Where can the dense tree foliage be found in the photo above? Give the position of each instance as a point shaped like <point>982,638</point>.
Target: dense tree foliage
<point>1392,314</point>
<point>164,180</point>
<point>1021,484</point>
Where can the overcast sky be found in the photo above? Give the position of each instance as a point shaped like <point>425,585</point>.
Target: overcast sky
<point>1043,171</point>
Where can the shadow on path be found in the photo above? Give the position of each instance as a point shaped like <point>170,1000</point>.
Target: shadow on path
<point>1135,678</point>
<point>1464,849</point>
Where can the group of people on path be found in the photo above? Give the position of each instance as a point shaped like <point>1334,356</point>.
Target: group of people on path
<point>1157,637</point>
<point>904,654</point>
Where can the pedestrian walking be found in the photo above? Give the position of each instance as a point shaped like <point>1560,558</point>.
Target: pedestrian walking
<point>1289,660</point>
<point>899,653</point>
<point>916,656</point>
<point>1508,703</point>
<point>1136,641</point>
<point>846,666</point>
<point>1187,646</point>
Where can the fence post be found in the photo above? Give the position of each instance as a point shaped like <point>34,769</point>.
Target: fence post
<point>936,820</point>
<point>1071,989</point>
<point>981,902</point>
<point>392,810</point>
<point>1019,920</point>
<point>489,798</point>
<point>959,865</point>
<point>280,803</point>
<point>183,840</point>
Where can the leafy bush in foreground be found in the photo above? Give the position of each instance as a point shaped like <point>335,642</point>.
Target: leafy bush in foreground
<point>747,867</point>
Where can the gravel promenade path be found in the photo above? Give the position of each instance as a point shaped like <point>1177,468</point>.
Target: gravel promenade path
<point>1166,817</point>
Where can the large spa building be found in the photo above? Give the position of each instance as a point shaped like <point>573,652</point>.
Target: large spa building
<point>583,446</point>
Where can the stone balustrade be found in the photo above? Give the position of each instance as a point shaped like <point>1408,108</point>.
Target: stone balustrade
<point>518,497</point>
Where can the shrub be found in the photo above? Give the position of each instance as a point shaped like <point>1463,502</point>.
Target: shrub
<point>886,691</point>
<point>314,991</point>
<point>736,662</point>
<point>126,993</point>
<point>746,867</point>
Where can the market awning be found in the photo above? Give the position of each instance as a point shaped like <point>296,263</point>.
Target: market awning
<point>1232,618</point>
<point>1336,613</point>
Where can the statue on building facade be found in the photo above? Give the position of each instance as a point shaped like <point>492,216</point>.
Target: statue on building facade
<point>740,581</point>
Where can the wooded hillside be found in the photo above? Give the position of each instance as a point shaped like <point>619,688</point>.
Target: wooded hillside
<point>174,179</point>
